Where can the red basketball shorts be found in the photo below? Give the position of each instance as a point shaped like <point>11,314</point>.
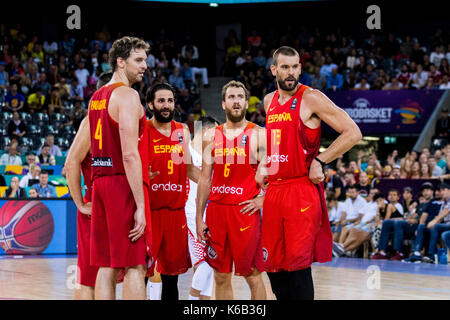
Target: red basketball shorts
<point>170,241</point>
<point>113,209</point>
<point>291,221</point>
<point>86,274</point>
<point>234,237</point>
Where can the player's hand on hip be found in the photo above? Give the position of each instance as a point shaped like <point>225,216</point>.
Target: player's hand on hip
<point>86,208</point>
<point>152,174</point>
<point>202,231</point>
<point>316,172</point>
<point>139,225</point>
<point>251,206</point>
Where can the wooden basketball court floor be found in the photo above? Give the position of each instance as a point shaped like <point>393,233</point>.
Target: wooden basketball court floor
<point>53,278</point>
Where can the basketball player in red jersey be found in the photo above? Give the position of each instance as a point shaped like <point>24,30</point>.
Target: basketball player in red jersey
<point>79,161</point>
<point>117,120</point>
<point>169,156</point>
<point>296,231</point>
<point>233,220</point>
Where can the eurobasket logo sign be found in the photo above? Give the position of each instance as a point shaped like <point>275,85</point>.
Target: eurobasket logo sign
<point>410,112</point>
<point>386,112</point>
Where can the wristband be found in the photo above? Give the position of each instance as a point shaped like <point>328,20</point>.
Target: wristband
<point>320,161</point>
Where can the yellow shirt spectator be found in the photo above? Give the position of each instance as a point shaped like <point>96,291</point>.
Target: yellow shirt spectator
<point>36,101</point>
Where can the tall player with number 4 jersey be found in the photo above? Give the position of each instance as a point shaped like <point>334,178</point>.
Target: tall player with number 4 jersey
<point>232,229</point>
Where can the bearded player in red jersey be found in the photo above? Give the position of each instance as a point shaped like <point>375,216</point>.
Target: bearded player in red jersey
<point>117,120</point>
<point>169,156</point>
<point>296,230</point>
<point>232,229</point>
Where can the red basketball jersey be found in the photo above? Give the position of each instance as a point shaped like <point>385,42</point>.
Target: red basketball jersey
<point>105,139</point>
<point>167,155</point>
<point>86,171</point>
<point>234,168</point>
<point>291,145</point>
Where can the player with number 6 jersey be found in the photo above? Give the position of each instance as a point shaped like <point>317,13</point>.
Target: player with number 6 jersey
<point>233,217</point>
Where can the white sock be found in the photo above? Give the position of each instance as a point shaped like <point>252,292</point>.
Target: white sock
<point>193,298</point>
<point>417,253</point>
<point>154,290</point>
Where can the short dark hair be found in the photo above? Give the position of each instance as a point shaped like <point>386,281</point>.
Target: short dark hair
<point>45,145</point>
<point>208,121</point>
<point>43,172</point>
<point>151,92</point>
<point>331,197</point>
<point>394,190</point>
<point>352,187</point>
<point>378,195</point>
<point>286,51</point>
<point>104,78</point>
<point>121,48</point>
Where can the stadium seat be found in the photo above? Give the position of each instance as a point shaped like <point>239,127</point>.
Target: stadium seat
<point>2,191</point>
<point>58,118</point>
<point>3,131</point>
<point>26,117</point>
<point>50,129</point>
<point>60,191</point>
<point>56,170</point>
<point>4,142</point>
<point>40,119</point>
<point>60,160</point>
<point>33,130</point>
<point>13,170</point>
<point>63,143</point>
<point>26,144</point>
<point>5,117</point>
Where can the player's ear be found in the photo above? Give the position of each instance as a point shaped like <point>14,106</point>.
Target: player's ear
<point>150,106</point>
<point>273,68</point>
<point>223,105</point>
<point>121,62</point>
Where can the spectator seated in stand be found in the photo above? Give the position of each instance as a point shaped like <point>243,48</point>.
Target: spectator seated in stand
<point>44,189</point>
<point>15,191</point>
<point>12,157</point>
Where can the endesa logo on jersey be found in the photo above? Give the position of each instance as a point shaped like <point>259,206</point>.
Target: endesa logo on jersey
<point>282,117</point>
<point>227,190</point>
<point>167,187</point>
<point>277,158</point>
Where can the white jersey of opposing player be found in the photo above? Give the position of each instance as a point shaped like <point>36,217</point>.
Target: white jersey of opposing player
<point>190,207</point>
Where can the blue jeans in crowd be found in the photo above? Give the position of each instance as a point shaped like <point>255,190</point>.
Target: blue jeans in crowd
<point>437,230</point>
<point>421,230</point>
<point>446,237</point>
<point>400,229</point>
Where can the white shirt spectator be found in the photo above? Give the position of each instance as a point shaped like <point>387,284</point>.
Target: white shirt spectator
<point>352,61</point>
<point>195,53</point>
<point>445,86</point>
<point>7,159</point>
<point>25,179</point>
<point>354,208</point>
<point>327,68</point>
<point>420,78</point>
<point>151,61</point>
<point>399,207</point>
<point>437,171</point>
<point>358,86</point>
<point>335,213</point>
<point>435,58</point>
<point>370,212</point>
<point>82,76</point>
<point>50,47</point>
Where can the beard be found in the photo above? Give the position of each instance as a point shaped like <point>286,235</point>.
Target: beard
<point>284,86</point>
<point>160,118</point>
<point>235,118</point>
